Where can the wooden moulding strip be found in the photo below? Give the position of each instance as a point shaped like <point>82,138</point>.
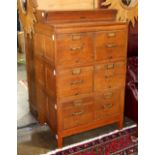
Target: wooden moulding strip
<point>77,28</point>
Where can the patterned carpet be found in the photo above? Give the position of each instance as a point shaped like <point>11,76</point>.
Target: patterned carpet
<point>118,142</point>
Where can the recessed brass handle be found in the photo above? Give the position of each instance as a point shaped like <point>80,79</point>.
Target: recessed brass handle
<point>76,82</point>
<point>76,71</point>
<point>110,66</point>
<point>83,17</point>
<point>111,34</point>
<point>77,61</point>
<point>77,102</point>
<point>74,49</point>
<point>109,76</point>
<point>76,37</point>
<point>108,95</point>
<point>111,45</point>
<point>107,105</point>
<point>77,113</point>
<point>77,93</point>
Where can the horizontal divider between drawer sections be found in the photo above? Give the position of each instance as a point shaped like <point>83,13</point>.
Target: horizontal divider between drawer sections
<point>111,45</point>
<point>93,94</point>
<point>81,69</point>
<point>59,67</point>
<point>100,62</point>
<point>71,98</point>
<point>99,26</point>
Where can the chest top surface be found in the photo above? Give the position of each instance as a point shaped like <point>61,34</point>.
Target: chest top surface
<point>54,17</point>
<point>78,21</point>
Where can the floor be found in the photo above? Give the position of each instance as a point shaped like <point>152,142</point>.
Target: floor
<point>24,117</point>
<point>34,139</point>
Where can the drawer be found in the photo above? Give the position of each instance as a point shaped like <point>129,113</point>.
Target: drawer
<point>73,49</point>
<point>107,103</point>
<point>78,103</point>
<point>110,44</point>
<point>110,75</point>
<point>74,81</point>
<point>117,37</point>
<point>74,115</point>
<point>110,51</point>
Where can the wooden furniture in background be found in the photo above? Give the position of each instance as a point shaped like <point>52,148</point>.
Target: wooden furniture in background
<point>76,65</point>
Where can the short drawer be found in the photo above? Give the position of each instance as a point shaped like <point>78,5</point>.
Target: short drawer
<point>78,115</point>
<point>78,103</point>
<point>107,103</point>
<point>110,75</point>
<point>118,37</point>
<point>110,51</point>
<point>74,49</point>
<point>110,44</point>
<point>76,81</point>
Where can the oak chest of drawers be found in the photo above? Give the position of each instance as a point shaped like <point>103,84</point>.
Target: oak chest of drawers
<point>76,70</point>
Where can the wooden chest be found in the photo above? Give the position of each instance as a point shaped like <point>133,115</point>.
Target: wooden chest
<point>76,68</point>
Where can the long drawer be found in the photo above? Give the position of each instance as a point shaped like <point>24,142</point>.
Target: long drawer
<point>77,112</point>
<point>74,49</point>
<point>110,75</point>
<point>76,81</point>
<point>107,103</point>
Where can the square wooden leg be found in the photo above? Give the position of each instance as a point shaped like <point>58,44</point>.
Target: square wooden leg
<point>59,141</point>
<point>120,124</point>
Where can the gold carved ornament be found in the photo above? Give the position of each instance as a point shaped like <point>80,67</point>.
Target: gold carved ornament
<point>127,9</point>
<point>26,15</point>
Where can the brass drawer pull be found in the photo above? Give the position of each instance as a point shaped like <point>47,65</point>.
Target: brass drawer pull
<point>76,93</point>
<point>83,17</point>
<point>110,66</point>
<point>108,95</point>
<point>76,71</point>
<point>111,45</point>
<point>76,37</point>
<point>77,61</point>
<point>76,48</point>
<point>77,102</point>
<point>111,34</point>
<point>109,76</point>
<point>77,113</point>
<point>108,105</point>
<point>76,82</point>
